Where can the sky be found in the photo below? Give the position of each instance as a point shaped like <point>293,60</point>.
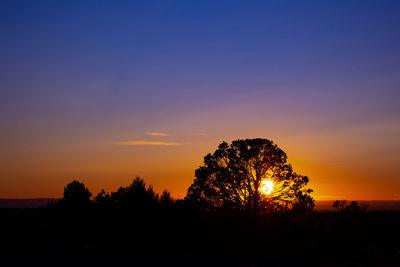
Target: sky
<point>104,91</point>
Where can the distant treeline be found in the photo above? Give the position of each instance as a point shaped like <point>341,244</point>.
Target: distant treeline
<point>135,226</point>
<point>136,198</point>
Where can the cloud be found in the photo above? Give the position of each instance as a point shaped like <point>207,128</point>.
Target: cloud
<point>157,134</point>
<point>147,143</point>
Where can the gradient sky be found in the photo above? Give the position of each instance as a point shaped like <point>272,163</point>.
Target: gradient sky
<point>102,91</point>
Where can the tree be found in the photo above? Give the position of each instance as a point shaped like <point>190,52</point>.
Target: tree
<point>102,199</point>
<point>339,204</point>
<point>136,196</point>
<point>352,208</point>
<point>76,195</point>
<point>249,174</point>
<point>166,200</point>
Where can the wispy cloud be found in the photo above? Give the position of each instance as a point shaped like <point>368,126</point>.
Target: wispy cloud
<point>157,134</point>
<point>147,143</point>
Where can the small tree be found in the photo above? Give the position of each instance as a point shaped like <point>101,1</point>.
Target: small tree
<point>353,208</point>
<point>339,204</point>
<point>102,199</point>
<point>76,195</point>
<point>136,196</point>
<point>166,199</point>
<point>304,201</point>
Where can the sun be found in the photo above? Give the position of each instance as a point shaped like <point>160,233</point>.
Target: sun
<point>266,187</point>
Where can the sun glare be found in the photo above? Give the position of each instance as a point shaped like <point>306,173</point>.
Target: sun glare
<point>266,187</point>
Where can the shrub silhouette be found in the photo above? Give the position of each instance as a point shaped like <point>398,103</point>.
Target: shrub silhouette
<point>339,204</point>
<point>232,177</point>
<point>352,208</point>
<point>103,200</point>
<point>166,200</point>
<point>304,202</point>
<point>136,196</point>
<point>76,196</point>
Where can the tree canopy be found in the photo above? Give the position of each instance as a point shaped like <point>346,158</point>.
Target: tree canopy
<point>76,195</point>
<point>236,176</point>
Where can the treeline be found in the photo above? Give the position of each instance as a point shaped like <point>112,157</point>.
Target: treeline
<point>137,197</point>
<point>135,226</point>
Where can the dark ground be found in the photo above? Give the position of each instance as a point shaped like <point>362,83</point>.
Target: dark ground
<point>176,238</point>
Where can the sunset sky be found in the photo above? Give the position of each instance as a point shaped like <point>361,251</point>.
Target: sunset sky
<point>103,91</point>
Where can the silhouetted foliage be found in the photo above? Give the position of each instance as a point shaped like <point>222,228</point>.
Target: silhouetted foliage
<point>232,178</point>
<point>304,202</point>
<point>339,204</point>
<point>136,227</point>
<point>76,196</point>
<point>166,199</point>
<point>136,196</point>
<point>352,208</point>
<point>103,199</point>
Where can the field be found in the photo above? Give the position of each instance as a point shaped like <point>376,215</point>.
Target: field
<point>183,238</point>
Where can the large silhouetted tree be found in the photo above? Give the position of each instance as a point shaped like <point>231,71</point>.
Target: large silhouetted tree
<point>235,175</point>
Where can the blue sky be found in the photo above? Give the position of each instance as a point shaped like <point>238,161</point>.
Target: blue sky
<point>87,74</point>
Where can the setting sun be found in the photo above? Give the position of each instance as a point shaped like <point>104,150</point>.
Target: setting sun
<point>266,187</point>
